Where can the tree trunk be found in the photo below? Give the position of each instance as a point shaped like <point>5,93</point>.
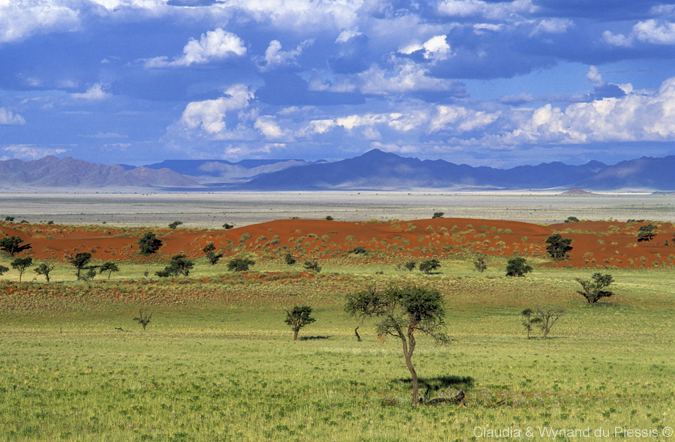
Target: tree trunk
<point>295,334</point>
<point>356,332</point>
<point>408,349</point>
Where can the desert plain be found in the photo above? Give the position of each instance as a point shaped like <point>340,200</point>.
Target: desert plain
<point>217,361</point>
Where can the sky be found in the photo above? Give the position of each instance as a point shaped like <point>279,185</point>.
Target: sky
<point>479,82</point>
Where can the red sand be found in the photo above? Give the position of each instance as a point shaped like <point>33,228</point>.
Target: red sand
<point>595,244</point>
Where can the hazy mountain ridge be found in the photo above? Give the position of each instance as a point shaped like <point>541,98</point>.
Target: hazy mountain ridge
<point>374,170</point>
<point>53,172</point>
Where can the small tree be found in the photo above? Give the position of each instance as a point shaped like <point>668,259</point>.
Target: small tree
<point>21,264</point>
<point>9,219</point>
<point>12,245</point>
<point>210,247</point>
<point>3,270</point>
<point>178,266</point>
<point>646,233</point>
<point>143,318</point>
<point>213,258</point>
<point>517,267</point>
<point>547,318</point>
<point>593,289</point>
<point>403,312</point>
<point>80,262</point>
<point>410,265</point>
<point>44,269</point>
<point>289,259</point>
<point>175,224</point>
<point>479,263</point>
<point>558,247</point>
<point>227,226</point>
<point>529,321</point>
<point>149,244</point>
<point>312,266</point>
<point>298,317</point>
<point>329,218</point>
<point>571,219</point>
<point>429,265</point>
<point>109,267</point>
<point>438,215</point>
<point>240,264</point>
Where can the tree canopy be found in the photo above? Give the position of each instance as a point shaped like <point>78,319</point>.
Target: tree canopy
<point>594,288</point>
<point>12,245</point>
<point>149,244</point>
<point>558,247</point>
<point>298,317</point>
<point>80,262</point>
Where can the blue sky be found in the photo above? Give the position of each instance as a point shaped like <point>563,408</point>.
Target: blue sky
<point>495,83</point>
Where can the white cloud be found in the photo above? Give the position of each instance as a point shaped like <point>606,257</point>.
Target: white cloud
<point>480,28</point>
<point>617,39</point>
<point>594,77</point>
<point>347,35</point>
<point>214,45</point>
<point>460,119</point>
<point>516,99</point>
<point>209,115</point>
<point>634,117</point>
<point>21,19</point>
<point>275,57</point>
<point>8,118</point>
<point>552,26</point>
<point>409,77</point>
<point>489,10</point>
<point>29,152</point>
<point>436,48</point>
<point>648,31</point>
<point>94,93</point>
<point>268,126</point>
<point>651,32</point>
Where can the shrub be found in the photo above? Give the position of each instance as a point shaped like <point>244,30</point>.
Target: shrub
<point>517,267</point>
<point>143,318</point>
<point>179,265</point>
<point>329,218</point>
<point>479,263</point>
<point>438,215</point>
<point>571,219</point>
<point>240,264</point>
<point>289,259</point>
<point>149,244</point>
<point>175,224</point>
<point>227,226</point>
<point>429,265</point>
<point>358,250</point>
<point>558,247</point>
<point>312,266</point>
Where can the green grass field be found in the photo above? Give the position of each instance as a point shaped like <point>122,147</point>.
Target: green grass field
<point>217,361</point>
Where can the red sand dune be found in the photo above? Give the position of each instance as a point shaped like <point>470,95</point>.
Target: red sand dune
<point>596,244</point>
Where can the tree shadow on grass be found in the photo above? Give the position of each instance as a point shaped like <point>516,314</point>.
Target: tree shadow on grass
<point>312,338</point>
<point>440,382</point>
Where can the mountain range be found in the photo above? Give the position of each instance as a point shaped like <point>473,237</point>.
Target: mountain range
<point>374,170</point>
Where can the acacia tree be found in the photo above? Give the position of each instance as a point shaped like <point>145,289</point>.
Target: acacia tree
<point>403,312</point>
<point>211,255</point>
<point>529,320</point>
<point>109,267</point>
<point>594,288</point>
<point>298,317</point>
<point>3,270</point>
<point>44,269</point>
<point>558,247</point>
<point>179,265</point>
<point>12,245</point>
<point>80,262</point>
<point>646,233</point>
<point>547,318</point>
<point>21,264</point>
<point>240,264</point>
<point>149,244</point>
<point>429,265</point>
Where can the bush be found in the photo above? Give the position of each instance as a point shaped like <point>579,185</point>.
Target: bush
<point>429,265</point>
<point>329,218</point>
<point>517,267</point>
<point>479,263</point>
<point>240,264</point>
<point>179,265</point>
<point>227,226</point>
<point>312,266</point>
<point>149,244</point>
<point>558,247</point>
<point>571,219</point>
<point>358,250</point>
<point>289,259</point>
<point>175,224</point>
<point>438,215</point>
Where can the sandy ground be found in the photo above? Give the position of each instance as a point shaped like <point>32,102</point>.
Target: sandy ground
<point>211,210</point>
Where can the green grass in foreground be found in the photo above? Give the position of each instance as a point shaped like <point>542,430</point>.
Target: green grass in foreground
<point>218,363</point>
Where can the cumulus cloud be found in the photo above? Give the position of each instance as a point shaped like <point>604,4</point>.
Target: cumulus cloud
<point>634,117</point>
<point>268,126</point>
<point>594,77</point>
<point>648,31</point>
<point>460,119</point>
<point>94,93</point>
<point>29,152</point>
<point>408,77</point>
<point>8,118</point>
<point>275,57</point>
<point>552,26</point>
<point>20,20</point>
<point>214,45</point>
<point>209,115</point>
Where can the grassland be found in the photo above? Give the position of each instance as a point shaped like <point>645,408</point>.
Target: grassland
<point>218,363</point>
